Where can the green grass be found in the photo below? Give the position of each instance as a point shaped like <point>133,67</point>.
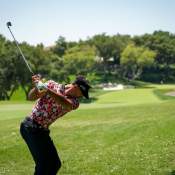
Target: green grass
<point>18,95</point>
<point>128,132</point>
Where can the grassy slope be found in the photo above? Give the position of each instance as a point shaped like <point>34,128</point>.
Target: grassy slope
<point>18,95</point>
<point>124,133</point>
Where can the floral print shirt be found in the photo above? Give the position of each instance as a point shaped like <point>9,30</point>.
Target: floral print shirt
<point>47,110</point>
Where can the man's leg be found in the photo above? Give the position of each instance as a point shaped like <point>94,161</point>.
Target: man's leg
<point>54,160</point>
<point>43,151</point>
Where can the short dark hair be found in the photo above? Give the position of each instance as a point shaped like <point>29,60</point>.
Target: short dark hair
<point>83,84</point>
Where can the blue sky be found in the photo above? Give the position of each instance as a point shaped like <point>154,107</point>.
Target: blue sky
<point>43,21</point>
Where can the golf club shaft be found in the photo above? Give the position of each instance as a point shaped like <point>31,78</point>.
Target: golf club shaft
<point>20,51</point>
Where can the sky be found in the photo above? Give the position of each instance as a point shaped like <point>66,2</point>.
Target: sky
<point>43,21</point>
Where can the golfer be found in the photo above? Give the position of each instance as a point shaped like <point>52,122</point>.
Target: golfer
<point>54,101</point>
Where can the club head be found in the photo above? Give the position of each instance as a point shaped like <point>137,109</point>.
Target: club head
<point>9,24</point>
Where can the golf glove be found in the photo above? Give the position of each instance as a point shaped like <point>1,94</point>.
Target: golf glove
<point>41,86</point>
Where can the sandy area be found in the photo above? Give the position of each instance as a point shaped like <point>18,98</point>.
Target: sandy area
<point>171,93</point>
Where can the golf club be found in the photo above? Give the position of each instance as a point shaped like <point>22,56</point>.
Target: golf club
<point>9,24</point>
<point>39,84</point>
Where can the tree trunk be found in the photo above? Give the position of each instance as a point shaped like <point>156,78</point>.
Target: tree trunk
<point>25,90</point>
<point>6,96</point>
<point>12,91</point>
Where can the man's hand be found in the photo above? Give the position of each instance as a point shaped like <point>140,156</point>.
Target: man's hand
<point>41,86</point>
<point>39,90</point>
<point>36,80</point>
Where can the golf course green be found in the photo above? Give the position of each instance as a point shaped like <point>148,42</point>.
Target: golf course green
<point>128,132</point>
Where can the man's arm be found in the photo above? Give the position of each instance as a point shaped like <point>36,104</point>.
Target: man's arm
<point>34,94</point>
<point>60,99</point>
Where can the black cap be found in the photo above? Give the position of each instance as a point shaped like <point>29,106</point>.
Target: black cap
<point>83,85</point>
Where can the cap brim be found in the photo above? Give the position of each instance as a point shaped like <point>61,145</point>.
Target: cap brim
<point>85,92</point>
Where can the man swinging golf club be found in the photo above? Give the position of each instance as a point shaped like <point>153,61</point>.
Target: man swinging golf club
<point>54,101</point>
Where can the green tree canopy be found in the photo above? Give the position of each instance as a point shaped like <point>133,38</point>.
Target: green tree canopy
<point>134,59</point>
<point>161,42</point>
<point>79,59</point>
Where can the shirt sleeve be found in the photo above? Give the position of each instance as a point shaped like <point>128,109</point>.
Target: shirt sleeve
<point>54,86</point>
<point>57,88</point>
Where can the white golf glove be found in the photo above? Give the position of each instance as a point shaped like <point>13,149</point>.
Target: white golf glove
<point>41,86</point>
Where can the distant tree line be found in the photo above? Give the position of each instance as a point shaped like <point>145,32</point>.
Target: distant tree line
<point>102,58</point>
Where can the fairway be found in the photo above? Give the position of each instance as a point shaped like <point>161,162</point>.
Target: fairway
<point>129,132</point>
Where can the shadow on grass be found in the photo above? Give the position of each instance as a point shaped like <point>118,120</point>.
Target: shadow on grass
<point>172,173</point>
<point>90,100</point>
<point>94,94</point>
<point>141,84</point>
<point>161,94</point>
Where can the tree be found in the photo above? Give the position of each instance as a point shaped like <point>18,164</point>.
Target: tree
<point>60,47</point>
<point>161,42</point>
<point>79,59</point>
<point>134,59</point>
<point>109,49</point>
<point>8,82</point>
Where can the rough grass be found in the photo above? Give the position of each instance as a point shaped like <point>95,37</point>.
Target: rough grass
<point>124,133</point>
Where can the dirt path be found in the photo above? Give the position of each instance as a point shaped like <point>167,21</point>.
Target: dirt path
<point>172,93</point>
